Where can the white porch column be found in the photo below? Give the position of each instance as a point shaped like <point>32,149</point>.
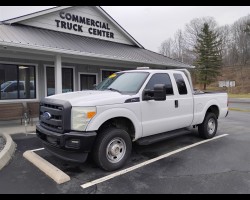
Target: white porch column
<point>58,74</point>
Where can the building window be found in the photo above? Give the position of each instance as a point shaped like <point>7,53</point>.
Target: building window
<point>17,82</point>
<point>107,73</point>
<point>67,80</point>
<point>50,74</point>
<point>87,81</point>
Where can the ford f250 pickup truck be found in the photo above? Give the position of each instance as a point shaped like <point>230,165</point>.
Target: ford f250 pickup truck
<point>142,106</point>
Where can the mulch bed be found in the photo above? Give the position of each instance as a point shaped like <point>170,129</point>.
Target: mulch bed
<point>2,143</point>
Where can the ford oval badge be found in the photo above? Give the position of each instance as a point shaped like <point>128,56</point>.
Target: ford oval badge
<point>46,115</point>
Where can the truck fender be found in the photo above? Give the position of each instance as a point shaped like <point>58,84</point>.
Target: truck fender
<point>200,115</point>
<point>97,121</point>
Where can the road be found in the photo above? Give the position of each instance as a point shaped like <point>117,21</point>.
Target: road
<point>239,100</point>
<point>218,166</point>
<point>241,106</point>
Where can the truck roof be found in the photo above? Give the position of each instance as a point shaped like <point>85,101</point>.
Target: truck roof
<point>151,70</point>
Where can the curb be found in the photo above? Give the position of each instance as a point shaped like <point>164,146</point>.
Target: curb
<point>50,170</point>
<point>8,151</point>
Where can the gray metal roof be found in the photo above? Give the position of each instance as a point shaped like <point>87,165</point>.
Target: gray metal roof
<point>58,8</point>
<point>53,41</point>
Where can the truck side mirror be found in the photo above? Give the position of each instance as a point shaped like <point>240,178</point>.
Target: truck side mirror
<point>147,95</point>
<point>160,92</point>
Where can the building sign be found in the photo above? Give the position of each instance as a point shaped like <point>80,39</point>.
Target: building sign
<point>227,83</point>
<point>73,22</point>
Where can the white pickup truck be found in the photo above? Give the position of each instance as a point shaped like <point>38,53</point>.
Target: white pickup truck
<point>142,106</point>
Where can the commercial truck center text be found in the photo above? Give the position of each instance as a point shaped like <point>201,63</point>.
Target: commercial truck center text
<point>83,20</point>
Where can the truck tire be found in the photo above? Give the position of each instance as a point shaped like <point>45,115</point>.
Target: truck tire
<point>112,149</point>
<point>208,128</point>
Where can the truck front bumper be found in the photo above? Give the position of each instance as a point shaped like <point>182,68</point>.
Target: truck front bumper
<point>72,146</point>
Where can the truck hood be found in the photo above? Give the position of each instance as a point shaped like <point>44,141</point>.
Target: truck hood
<point>92,98</point>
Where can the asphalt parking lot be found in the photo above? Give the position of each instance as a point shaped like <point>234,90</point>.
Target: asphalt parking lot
<point>218,166</point>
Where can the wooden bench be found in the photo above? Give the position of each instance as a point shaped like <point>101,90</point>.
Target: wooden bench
<point>12,111</point>
<point>33,110</point>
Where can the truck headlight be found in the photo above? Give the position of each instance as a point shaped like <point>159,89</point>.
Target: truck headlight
<point>81,116</point>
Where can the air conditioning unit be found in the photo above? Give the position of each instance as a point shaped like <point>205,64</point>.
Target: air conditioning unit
<point>142,68</point>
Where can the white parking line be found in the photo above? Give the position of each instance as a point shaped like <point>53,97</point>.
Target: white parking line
<point>105,178</point>
<point>37,149</point>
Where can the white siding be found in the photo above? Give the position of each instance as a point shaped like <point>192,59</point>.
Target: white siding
<point>48,22</point>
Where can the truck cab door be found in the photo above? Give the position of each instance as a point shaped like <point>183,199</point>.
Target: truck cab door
<point>159,116</point>
<point>175,112</point>
<point>184,104</point>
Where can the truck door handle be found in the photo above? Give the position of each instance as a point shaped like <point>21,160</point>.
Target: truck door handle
<point>176,103</point>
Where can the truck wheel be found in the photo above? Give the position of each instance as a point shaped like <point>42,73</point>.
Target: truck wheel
<point>208,128</point>
<point>112,149</point>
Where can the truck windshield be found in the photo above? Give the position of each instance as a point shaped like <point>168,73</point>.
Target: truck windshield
<point>127,82</point>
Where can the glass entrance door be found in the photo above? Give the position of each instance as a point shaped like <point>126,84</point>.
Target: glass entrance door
<point>67,80</point>
<point>87,81</point>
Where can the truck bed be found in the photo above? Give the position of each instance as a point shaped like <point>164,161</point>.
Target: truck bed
<point>202,99</point>
<point>202,92</point>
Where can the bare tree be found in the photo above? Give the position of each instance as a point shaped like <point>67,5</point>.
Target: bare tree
<point>240,42</point>
<point>166,47</point>
<point>224,35</point>
<point>179,45</point>
<point>191,32</point>
<point>193,29</point>
<point>235,46</point>
<point>175,48</point>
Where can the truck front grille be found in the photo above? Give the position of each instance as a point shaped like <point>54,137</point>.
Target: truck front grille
<point>55,115</point>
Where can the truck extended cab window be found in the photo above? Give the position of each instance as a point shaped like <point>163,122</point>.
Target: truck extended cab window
<point>182,88</point>
<point>161,79</point>
<point>126,82</point>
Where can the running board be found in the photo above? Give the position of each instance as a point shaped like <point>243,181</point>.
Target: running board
<point>162,136</point>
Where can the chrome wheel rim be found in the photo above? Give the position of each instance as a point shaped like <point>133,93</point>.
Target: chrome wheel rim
<point>211,126</point>
<point>116,150</point>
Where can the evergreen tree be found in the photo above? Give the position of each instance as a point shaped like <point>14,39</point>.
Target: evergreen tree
<point>208,56</point>
<point>247,30</point>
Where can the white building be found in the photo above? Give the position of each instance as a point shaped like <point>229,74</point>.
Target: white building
<point>66,48</point>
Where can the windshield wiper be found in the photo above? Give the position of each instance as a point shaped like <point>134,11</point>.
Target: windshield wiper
<point>115,90</point>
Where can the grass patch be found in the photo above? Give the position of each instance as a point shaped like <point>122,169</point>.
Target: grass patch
<point>237,109</point>
<point>239,95</point>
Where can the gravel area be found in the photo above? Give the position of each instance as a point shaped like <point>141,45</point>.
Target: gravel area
<point>2,143</point>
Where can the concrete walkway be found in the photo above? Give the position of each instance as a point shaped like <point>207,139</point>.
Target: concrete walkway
<point>16,128</point>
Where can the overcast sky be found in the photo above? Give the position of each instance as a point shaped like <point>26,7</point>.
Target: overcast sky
<point>150,25</point>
